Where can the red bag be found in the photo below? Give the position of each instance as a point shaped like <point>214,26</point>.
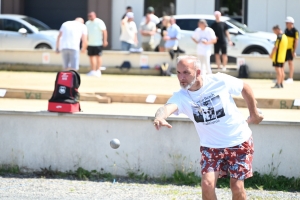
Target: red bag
<point>65,97</point>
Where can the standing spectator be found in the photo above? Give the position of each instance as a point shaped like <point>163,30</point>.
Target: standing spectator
<point>278,55</point>
<point>128,32</point>
<point>147,30</point>
<point>68,40</point>
<point>204,37</point>
<point>97,39</point>
<point>165,25</point>
<point>153,17</point>
<point>293,35</point>
<point>221,31</point>
<point>128,9</point>
<point>173,35</point>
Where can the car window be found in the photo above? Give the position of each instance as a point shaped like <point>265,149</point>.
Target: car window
<point>12,25</point>
<point>40,26</point>
<point>187,24</point>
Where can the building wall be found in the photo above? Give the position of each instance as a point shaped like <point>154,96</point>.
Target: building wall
<point>195,7</point>
<point>118,10</point>
<point>264,14</point>
<point>12,7</point>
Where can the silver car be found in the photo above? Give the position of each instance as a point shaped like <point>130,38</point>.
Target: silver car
<point>23,32</point>
<point>245,40</point>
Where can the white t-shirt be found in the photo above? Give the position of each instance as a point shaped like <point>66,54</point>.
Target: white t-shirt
<point>153,17</point>
<point>147,27</point>
<point>128,31</point>
<point>95,34</point>
<point>200,35</point>
<point>72,32</point>
<point>221,124</point>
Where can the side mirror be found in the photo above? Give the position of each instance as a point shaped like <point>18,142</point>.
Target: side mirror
<point>22,31</point>
<point>233,31</point>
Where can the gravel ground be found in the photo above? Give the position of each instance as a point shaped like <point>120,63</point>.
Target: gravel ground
<point>40,188</point>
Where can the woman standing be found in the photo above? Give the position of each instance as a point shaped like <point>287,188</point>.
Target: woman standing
<point>164,27</point>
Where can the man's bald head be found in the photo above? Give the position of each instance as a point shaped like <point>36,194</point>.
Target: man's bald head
<point>79,19</point>
<point>189,61</point>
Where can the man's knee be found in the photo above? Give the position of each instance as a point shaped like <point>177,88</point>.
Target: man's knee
<point>208,185</point>
<point>237,186</point>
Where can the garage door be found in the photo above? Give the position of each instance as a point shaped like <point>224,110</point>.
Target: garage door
<point>55,12</point>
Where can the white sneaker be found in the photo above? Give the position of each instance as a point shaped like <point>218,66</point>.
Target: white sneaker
<point>98,73</point>
<point>224,69</point>
<point>91,73</point>
<point>289,80</point>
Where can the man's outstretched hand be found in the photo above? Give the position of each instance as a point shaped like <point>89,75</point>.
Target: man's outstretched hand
<point>158,123</point>
<point>255,119</point>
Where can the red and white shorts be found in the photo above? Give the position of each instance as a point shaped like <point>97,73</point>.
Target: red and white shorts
<point>237,160</point>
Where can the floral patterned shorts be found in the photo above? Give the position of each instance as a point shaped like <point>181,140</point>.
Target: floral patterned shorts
<point>237,160</point>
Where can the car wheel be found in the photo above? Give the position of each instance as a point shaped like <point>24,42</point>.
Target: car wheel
<point>255,51</point>
<point>43,46</point>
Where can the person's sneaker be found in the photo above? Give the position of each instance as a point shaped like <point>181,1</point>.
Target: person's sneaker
<point>91,73</point>
<point>224,69</point>
<point>276,86</point>
<point>98,73</point>
<point>289,80</point>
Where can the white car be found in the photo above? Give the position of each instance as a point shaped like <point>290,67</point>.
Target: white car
<point>245,41</point>
<point>22,32</point>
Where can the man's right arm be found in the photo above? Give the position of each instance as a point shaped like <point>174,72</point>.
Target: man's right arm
<point>162,114</point>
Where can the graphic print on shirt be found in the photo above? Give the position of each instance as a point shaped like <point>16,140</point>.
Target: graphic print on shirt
<point>211,110</point>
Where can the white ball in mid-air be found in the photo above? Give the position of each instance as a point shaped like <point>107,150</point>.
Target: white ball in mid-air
<point>114,143</point>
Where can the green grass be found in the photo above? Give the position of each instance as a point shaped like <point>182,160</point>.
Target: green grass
<point>258,181</point>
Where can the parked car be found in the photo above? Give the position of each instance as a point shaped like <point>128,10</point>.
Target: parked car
<point>245,40</point>
<point>23,32</point>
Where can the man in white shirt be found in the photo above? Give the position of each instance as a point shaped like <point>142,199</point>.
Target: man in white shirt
<point>225,138</point>
<point>68,42</point>
<point>204,37</point>
<point>173,35</point>
<point>148,30</point>
<point>97,39</point>
<point>128,35</point>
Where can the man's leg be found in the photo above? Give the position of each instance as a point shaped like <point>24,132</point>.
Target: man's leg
<point>66,58</point>
<point>93,63</point>
<point>224,56</point>
<point>74,60</point>
<point>218,61</point>
<point>208,185</point>
<point>208,67</point>
<point>237,189</point>
<point>99,62</point>
<point>291,67</point>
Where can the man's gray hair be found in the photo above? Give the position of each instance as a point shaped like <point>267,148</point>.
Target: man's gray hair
<point>193,59</point>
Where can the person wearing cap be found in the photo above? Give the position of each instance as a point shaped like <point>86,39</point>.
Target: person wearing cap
<point>148,30</point>
<point>128,32</point>
<point>97,39</point>
<point>128,9</point>
<point>221,30</point>
<point>292,35</point>
<point>204,37</point>
<point>150,11</point>
<point>278,55</point>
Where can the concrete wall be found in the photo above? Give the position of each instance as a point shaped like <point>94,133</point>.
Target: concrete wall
<point>110,58</point>
<point>195,7</point>
<point>39,139</point>
<point>264,14</point>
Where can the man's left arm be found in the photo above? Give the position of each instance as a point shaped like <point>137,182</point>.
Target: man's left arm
<point>296,43</point>
<point>105,43</point>
<point>247,93</point>
<point>58,41</point>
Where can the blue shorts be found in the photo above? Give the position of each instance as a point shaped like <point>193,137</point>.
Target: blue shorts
<point>70,58</point>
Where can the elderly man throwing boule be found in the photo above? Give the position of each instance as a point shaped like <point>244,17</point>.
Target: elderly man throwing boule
<point>226,140</point>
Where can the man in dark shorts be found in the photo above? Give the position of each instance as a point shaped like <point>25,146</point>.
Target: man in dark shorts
<point>278,55</point>
<point>97,39</point>
<point>225,137</point>
<point>292,35</point>
<point>221,31</point>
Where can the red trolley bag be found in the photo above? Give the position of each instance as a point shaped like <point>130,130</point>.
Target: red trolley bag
<point>65,97</point>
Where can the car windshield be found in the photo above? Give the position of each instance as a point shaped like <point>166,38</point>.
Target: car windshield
<point>40,26</point>
<point>240,26</point>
